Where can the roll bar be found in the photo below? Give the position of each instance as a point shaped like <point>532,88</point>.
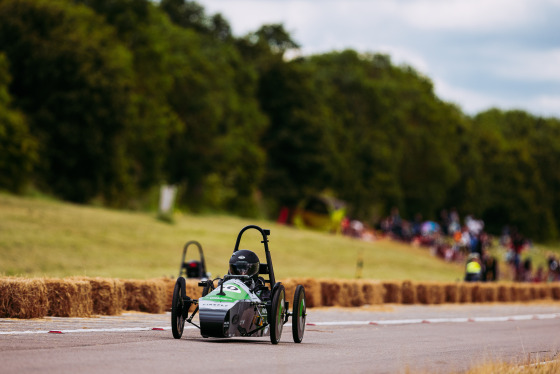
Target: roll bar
<point>265,233</point>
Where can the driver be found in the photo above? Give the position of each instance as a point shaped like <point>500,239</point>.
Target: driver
<point>246,262</point>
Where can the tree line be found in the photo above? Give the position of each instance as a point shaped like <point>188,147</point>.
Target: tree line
<point>104,100</point>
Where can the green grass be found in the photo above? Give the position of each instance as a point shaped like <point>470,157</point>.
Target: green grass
<point>41,237</point>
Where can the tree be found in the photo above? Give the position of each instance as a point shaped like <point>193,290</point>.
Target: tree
<point>72,78</point>
<point>17,146</point>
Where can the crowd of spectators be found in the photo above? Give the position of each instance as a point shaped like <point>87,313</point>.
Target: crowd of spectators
<point>463,241</point>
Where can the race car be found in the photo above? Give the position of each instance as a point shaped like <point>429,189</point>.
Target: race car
<point>193,268</point>
<point>244,303</point>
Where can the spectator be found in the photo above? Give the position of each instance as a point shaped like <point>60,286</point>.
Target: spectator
<point>473,268</point>
<point>396,223</point>
<point>553,273</point>
<point>490,263</point>
<point>517,246</point>
<point>527,271</point>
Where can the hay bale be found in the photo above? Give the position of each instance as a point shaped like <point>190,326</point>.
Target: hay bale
<point>430,293</point>
<point>330,290</point>
<point>146,295</point>
<point>485,293</point>
<point>23,298</point>
<point>69,298</point>
<point>466,293</point>
<point>522,293</point>
<point>491,292</point>
<point>409,295</point>
<point>423,294</point>
<point>544,292</point>
<point>555,290</point>
<point>393,292</point>
<point>505,294</point>
<point>535,291</point>
<point>107,294</point>
<point>439,293</point>
<point>451,293</point>
<point>374,292</point>
<point>478,294</point>
<point>83,305</point>
<point>169,287</point>
<point>313,295</point>
<point>351,294</point>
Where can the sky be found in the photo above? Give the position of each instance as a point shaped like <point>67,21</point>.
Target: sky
<point>479,54</point>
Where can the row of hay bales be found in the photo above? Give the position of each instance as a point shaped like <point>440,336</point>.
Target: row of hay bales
<point>82,297</point>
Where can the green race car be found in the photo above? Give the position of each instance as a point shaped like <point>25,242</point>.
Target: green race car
<point>244,303</point>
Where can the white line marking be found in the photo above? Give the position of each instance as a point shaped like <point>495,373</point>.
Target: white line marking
<point>526,317</point>
<point>439,320</point>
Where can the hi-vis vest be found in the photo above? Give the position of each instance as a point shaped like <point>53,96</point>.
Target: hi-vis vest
<point>473,267</point>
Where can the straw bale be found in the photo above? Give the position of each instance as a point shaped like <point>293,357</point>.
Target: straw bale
<point>351,294</point>
<point>491,291</point>
<point>522,292</point>
<point>439,293</point>
<point>145,295</point>
<point>313,296</point>
<point>374,292</point>
<point>311,287</point>
<point>169,287</point>
<point>409,295</point>
<point>505,293</point>
<point>484,293</point>
<point>554,290</point>
<point>533,293</point>
<point>546,291</point>
<point>393,292</point>
<point>23,298</point>
<point>430,293</point>
<point>423,294</point>
<point>330,290</point>
<point>193,290</point>
<point>69,298</point>
<point>466,292</point>
<point>451,293</point>
<point>107,294</point>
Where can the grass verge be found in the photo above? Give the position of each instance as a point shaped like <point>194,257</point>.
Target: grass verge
<point>45,238</point>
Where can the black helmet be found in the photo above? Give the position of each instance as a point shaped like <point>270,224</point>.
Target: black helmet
<point>244,262</point>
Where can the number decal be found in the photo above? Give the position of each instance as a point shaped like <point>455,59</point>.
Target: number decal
<point>232,288</point>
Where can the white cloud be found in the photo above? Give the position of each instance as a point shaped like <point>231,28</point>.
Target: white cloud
<point>478,53</point>
<point>544,105</point>
<point>475,16</point>
<point>470,101</point>
<point>531,65</point>
<point>403,55</point>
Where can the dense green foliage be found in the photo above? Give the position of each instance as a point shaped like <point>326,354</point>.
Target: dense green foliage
<point>104,100</point>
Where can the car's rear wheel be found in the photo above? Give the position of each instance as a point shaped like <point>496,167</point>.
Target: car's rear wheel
<point>178,309</point>
<point>299,314</point>
<point>277,315</point>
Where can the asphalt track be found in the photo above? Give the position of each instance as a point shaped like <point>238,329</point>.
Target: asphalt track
<point>384,339</point>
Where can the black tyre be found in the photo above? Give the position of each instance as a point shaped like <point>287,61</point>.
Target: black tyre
<point>178,309</point>
<point>277,314</point>
<point>299,314</point>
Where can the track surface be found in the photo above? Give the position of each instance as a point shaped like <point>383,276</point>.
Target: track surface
<point>385,339</point>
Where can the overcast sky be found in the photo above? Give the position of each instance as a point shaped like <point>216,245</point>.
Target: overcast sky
<point>478,53</point>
